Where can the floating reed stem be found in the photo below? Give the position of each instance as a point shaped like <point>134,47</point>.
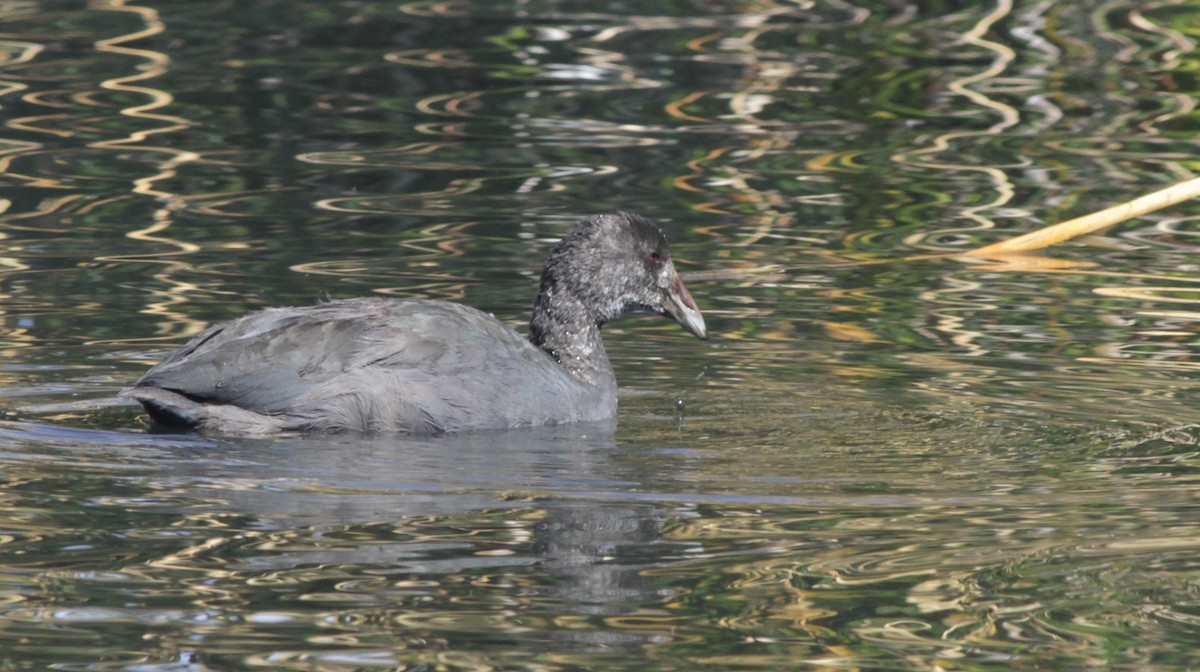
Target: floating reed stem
<point>1057,233</point>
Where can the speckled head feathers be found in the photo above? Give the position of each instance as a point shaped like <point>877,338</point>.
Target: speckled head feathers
<point>604,267</point>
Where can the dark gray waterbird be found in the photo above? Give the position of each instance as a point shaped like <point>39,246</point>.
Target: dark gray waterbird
<point>385,365</point>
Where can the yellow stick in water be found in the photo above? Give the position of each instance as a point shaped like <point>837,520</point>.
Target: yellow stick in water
<point>1079,226</point>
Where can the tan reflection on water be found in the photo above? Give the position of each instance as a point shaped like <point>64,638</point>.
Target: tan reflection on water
<point>146,65</point>
<point>1111,143</point>
<point>15,53</point>
<point>170,323</point>
<point>1002,56</point>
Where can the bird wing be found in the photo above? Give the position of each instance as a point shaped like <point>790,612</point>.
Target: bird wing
<point>363,358</point>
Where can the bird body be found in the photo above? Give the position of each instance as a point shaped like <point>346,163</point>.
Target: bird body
<point>385,365</point>
<point>315,368</point>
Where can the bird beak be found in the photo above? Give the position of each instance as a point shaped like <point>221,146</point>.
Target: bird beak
<point>681,307</point>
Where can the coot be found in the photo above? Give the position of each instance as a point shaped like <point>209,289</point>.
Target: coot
<point>385,365</point>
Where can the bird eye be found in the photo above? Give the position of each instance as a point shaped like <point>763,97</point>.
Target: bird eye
<point>654,258</point>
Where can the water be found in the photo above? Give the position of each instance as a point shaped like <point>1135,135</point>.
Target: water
<point>881,459</point>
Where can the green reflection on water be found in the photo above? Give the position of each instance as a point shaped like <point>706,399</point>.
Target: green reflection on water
<point>877,461</point>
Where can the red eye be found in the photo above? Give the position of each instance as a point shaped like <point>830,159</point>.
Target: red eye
<point>654,258</point>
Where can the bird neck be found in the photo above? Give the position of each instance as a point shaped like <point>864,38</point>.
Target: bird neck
<point>565,329</point>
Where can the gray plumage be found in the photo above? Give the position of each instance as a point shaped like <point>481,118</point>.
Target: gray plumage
<point>384,365</point>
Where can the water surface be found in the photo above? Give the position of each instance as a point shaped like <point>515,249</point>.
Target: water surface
<point>883,458</point>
